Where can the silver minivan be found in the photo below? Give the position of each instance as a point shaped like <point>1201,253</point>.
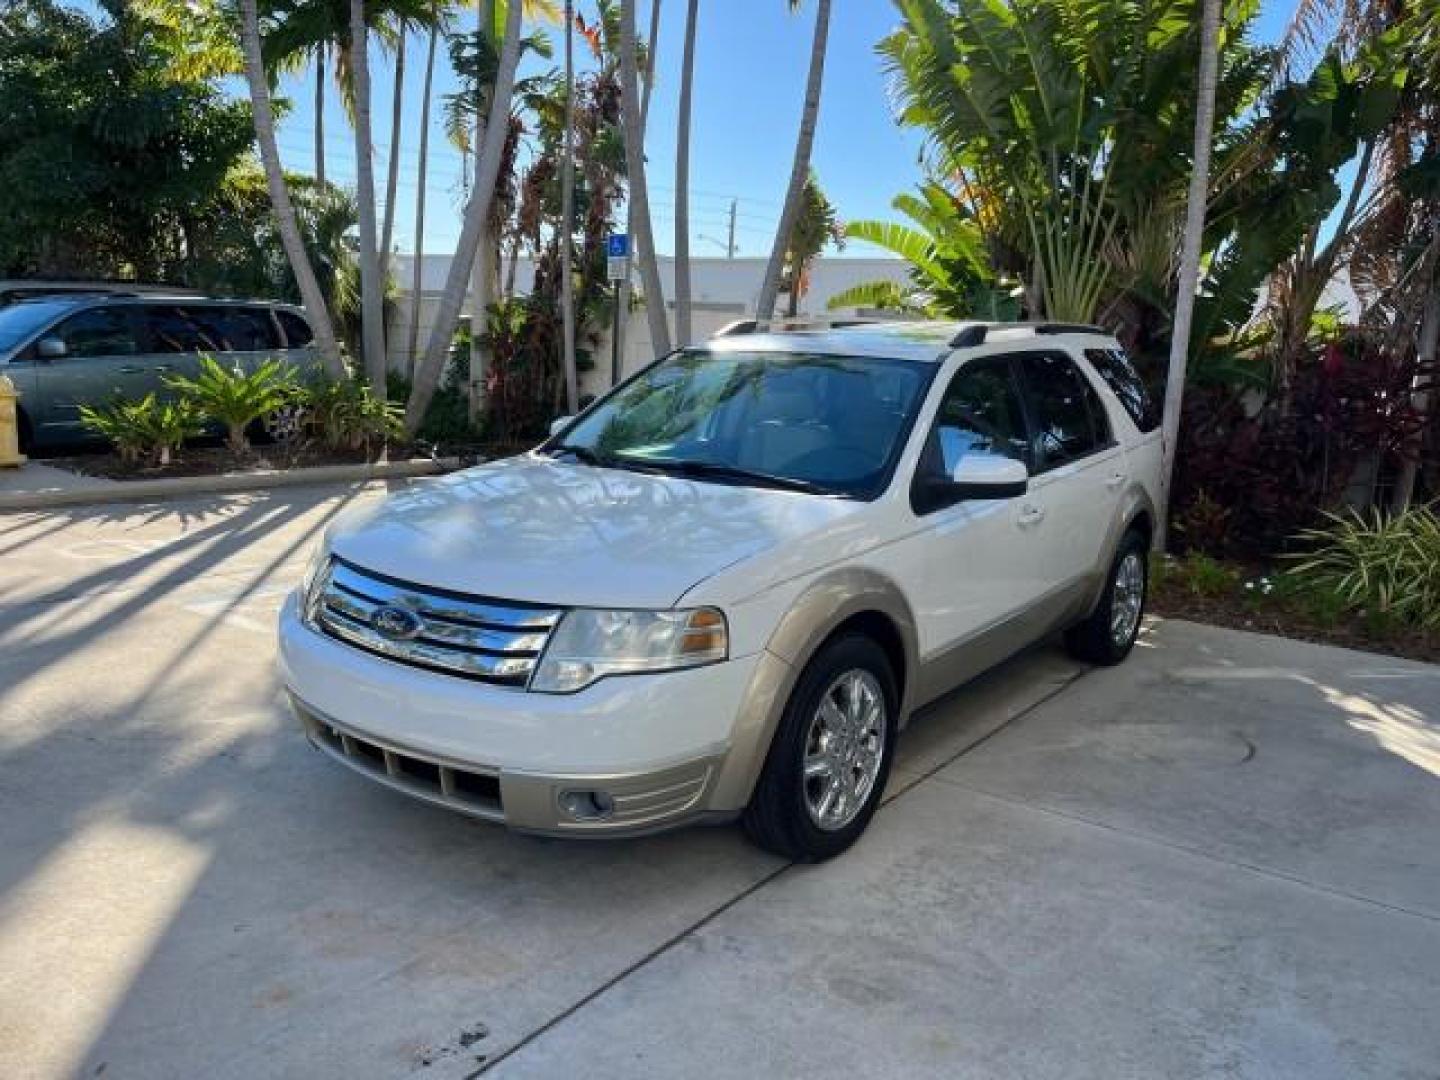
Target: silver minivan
<point>66,351</point>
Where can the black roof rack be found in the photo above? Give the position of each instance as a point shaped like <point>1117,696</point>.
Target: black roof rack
<point>976,334</point>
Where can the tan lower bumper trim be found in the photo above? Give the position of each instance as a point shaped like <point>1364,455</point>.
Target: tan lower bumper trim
<point>643,802</point>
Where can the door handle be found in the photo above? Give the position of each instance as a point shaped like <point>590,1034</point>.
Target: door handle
<point>1115,481</point>
<point>1030,515</point>
<point>131,369</point>
<point>163,367</point>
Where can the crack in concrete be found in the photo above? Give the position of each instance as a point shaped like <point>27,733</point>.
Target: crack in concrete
<point>750,890</point>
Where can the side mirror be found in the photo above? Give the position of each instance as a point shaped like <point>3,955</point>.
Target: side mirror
<point>559,424</point>
<point>989,476</point>
<point>51,348</point>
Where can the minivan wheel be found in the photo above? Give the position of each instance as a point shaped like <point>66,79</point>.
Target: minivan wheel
<point>24,436</point>
<point>1109,634</point>
<point>830,759</point>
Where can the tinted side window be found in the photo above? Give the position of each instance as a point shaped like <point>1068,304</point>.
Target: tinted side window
<point>106,331</point>
<point>1059,400</point>
<point>1119,373</point>
<point>979,414</point>
<point>174,330</point>
<point>297,330</point>
<point>235,329</point>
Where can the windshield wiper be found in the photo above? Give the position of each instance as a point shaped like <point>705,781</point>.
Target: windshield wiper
<point>581,453</point>
<point>714,470</point>
<point>600,459</point>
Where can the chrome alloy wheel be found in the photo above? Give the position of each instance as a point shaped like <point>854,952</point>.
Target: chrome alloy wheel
<point>1128,600</point>
<point>844,749</point>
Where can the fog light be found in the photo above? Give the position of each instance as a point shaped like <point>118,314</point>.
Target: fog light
<point>587,805</point>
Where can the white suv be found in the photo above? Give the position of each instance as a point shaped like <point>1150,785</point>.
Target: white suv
<point>721,591</point>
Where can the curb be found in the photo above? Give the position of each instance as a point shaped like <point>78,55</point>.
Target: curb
<point>180,487</point>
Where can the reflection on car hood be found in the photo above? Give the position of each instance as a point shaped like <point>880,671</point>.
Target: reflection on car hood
<point>556,532</point>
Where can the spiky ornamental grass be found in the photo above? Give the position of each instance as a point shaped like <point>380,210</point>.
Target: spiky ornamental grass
<point>1376,564</point>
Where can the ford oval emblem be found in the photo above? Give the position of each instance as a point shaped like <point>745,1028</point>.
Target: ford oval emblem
<point>396,623</point>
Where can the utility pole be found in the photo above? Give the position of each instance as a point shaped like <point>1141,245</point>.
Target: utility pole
<point>730,247</point>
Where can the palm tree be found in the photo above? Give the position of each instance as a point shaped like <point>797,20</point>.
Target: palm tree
<point>682,180</point>
<point>567,219</point>
<point>477,215</point>
<point>417,272</point>
<point>320,115</point>
<point>285,221</point>
<point>372,290</point>
<point>482,272</point>
<point>643,235</point>
<point>392,180</point>
<point>800,169</point>
<point>1189,278</point>
<point>651,48</point>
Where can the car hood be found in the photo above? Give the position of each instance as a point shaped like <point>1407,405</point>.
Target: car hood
<point>533,529</point>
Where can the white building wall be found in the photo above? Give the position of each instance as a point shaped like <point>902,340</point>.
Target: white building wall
<point>722,290</point>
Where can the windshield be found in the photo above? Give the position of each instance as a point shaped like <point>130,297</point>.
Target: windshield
<point>829,424</point>
<point>19,321</point>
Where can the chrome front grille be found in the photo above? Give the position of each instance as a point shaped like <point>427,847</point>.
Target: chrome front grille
<point>494,641</point>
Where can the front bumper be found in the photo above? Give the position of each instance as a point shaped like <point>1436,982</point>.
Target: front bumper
<point>663,750</point>
<point>642,802</point>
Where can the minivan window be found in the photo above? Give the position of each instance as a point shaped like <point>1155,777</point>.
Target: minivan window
<point>19,321</point>
<point>173,330</point>
<point>103,331</point>
<point>1120,374</point>
<point>236,329</point>
<point>297,331</point>
<point>1059,399</point>
<point>835,424</point>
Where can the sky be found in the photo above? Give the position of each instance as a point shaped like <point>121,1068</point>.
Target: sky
<point>752,58</point>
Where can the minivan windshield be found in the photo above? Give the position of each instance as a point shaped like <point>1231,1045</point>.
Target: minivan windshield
<point>811,422</point>
<point>19,321</point>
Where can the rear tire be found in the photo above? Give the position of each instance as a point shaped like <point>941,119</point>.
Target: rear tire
<point>24,436</point>
<point>1108,635</point>
<point>836,738</point>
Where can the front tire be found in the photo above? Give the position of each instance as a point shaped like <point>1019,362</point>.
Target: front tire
<point>1109,634</point>
<point>830,759</point>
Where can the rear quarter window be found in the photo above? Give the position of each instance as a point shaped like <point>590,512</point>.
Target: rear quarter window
<point>1121,375</point>
<point>297,331</point>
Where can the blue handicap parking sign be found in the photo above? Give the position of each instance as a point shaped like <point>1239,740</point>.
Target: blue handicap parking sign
<point>619,246</point>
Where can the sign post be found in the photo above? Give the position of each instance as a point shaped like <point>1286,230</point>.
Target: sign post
<point>617,250</point>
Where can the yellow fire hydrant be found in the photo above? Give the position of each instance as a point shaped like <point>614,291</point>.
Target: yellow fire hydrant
<point>10,455</point>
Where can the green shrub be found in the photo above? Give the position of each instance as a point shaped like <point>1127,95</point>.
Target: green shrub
<point>447,419</point>
<point>146,428</point>
<point>1196,574</point>
<point>236,398</point>
<point>348,416</point>
<point>1385,569</point>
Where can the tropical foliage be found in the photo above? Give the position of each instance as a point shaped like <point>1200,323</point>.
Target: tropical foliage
<point>1376,565</point>
<point>149,429</point>
<point>236,398</point>
<point>108,162</point>
<point>346,414</point>
<point>944,246</point>
<point>816,226</point>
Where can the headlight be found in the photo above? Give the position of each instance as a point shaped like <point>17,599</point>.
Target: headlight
<point>589,645</point>
<point>311,581</point>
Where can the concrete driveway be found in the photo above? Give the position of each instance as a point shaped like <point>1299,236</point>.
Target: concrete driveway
<point>1217,860</point>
